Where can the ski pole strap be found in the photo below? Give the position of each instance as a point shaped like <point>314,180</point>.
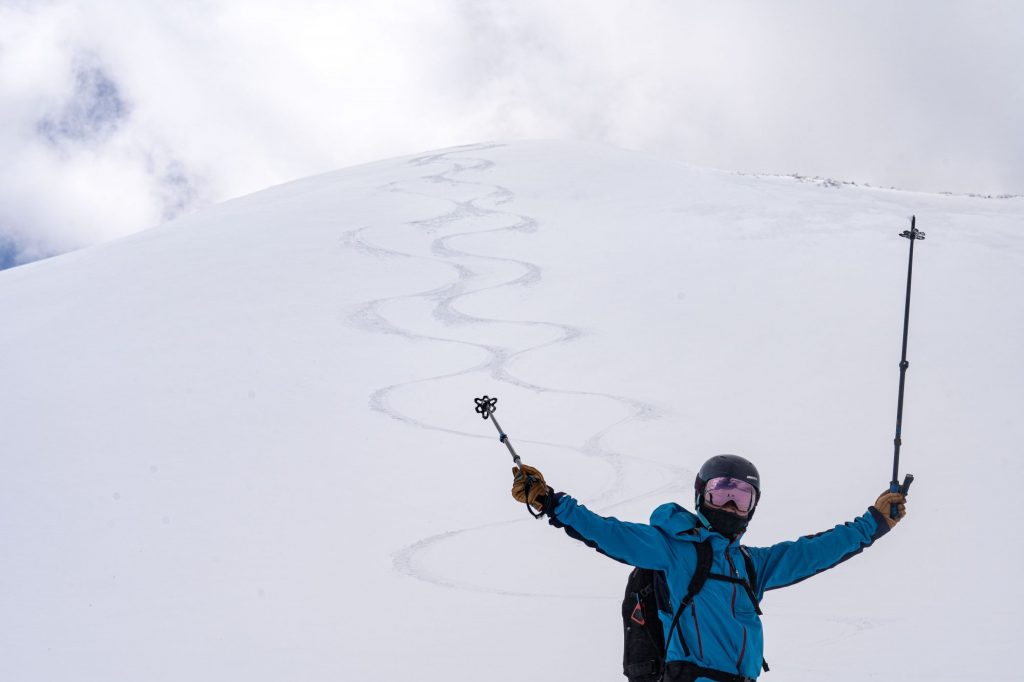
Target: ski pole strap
<point>530,479</point>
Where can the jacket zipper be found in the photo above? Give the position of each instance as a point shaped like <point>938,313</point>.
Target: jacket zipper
<point>736,574</point>
<point>696,626</point>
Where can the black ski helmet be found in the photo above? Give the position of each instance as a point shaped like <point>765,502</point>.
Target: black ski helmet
<point>728,465</point>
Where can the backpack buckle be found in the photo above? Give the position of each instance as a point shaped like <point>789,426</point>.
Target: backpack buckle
<point>638,613</point>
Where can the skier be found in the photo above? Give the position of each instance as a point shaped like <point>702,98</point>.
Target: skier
<point>717,635</point>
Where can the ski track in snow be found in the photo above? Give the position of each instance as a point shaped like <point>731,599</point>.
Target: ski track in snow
<point>368,316</point>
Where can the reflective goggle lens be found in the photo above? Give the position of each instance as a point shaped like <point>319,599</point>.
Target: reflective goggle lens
<point>719,491</point>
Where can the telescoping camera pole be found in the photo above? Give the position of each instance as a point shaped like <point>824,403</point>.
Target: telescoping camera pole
<point>913,234</point>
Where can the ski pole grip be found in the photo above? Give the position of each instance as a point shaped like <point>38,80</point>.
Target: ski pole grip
<point>903,489</point>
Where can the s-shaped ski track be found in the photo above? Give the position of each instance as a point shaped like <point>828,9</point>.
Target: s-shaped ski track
<point>369,316</point>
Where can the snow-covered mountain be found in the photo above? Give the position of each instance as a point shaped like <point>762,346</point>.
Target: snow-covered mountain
<point>243,447</point>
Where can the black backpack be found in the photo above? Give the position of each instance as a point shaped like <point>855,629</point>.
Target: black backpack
<point>643,659</point>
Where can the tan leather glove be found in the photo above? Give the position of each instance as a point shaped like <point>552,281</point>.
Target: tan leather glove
<point>537,488</point>
<point>884,504</point>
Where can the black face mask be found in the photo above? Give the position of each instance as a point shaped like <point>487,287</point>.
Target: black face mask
<point>729,525</point>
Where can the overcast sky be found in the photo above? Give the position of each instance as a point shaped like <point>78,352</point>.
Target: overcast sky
<point>116,116</point>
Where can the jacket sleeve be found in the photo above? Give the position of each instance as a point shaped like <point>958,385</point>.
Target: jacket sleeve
<point>788,563</point>
<point>635,544</point>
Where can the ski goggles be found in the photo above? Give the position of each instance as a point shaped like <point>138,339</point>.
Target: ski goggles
<point>719,491</point>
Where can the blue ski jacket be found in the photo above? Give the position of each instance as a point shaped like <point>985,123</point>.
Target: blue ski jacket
<point>721,627</point>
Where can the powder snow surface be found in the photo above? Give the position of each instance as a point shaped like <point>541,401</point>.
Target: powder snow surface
<point>243,447</point>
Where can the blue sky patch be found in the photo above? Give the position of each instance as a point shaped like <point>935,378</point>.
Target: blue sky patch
<point>93,112</point>
<point>178,192</point>
<point>8,253</point>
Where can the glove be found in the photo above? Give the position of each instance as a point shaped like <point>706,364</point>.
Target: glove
<point>538,489</point>
<point>884,505</point>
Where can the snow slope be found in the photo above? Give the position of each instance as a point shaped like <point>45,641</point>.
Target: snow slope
<point>242,446</point>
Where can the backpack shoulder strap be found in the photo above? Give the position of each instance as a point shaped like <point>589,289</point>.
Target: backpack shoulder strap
<point>751,571</point>
<point>697,580</point>
<point>703,570</point>
<point>750,585</point>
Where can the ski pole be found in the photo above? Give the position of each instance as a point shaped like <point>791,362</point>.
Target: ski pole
<point>913,234</point>
<point>486,407</point>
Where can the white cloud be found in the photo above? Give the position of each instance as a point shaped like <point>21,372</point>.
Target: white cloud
<point>212,99</point>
